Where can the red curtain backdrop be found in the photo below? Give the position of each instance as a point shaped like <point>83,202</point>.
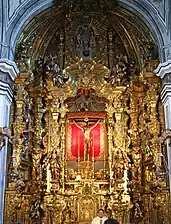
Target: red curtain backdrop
<point>76,141</point>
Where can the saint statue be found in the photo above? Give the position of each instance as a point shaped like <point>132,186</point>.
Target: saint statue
<point>55,165</point>
<point>84,39</point>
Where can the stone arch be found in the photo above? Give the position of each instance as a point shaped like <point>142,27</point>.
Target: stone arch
<point>20,20</point>
<point>30,10</point>
<point>149,15</point>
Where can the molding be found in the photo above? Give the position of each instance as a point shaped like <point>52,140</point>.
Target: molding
<point>165,93</point>
<point>9,67</point>
<point>6,90</point>
<point>163,69</point>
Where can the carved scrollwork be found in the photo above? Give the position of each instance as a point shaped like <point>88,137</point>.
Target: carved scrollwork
<point>86,100</point>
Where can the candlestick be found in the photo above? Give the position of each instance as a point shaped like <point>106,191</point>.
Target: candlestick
<point>78,150</point>
<point>89,143</point>
<point>84,145</point>
<point>102,127</point>
<point>93,153</point>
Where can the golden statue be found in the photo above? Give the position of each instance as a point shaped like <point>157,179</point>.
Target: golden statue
<point>54,161</point>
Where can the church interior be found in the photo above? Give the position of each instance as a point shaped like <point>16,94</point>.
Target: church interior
<point>87,126</point>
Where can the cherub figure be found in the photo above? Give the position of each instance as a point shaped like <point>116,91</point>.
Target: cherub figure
<point>20,185</point>
<point>138,212</point>
<point>35,209</point>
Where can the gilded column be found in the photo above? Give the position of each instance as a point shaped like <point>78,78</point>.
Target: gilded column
<point>154,124</point>
<point>18,124</point>
<point>110,112</point>
<point>137,126</point>
<point>120,168</point>
<point>54,150</point>
<point>63,111</point>
<point>38,130</point>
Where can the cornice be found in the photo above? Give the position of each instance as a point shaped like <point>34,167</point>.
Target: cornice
<point>163,69</point>
<point>9,67</point>
<point>6,90</point>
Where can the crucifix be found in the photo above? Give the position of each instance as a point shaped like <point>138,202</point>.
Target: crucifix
<point>87,140</point>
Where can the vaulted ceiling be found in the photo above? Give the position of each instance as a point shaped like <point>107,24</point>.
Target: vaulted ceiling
<point>41,35</point>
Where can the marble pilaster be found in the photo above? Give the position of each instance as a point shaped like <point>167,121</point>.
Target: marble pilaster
<point>164,72</point>
<point>8,72</point>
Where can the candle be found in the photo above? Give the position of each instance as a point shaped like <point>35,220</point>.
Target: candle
<point>93,147</point>
<point>78,149</point>
<point>93,152</point>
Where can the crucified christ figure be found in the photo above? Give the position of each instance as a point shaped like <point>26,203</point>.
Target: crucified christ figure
<point>86,130</point>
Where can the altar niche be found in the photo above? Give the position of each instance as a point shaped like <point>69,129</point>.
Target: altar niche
<point>86,146</point>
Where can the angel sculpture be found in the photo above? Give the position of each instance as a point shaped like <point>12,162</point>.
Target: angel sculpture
<point>20,185</point>
<point>5,132</point>
<point>138,212</point>
<point>2,139</point>
<point>35,209</point>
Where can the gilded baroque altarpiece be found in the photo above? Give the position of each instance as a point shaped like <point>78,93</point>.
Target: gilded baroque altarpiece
<point>86,121</point>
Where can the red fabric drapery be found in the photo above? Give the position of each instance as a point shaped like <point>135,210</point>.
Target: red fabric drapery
<point>78,140</point>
